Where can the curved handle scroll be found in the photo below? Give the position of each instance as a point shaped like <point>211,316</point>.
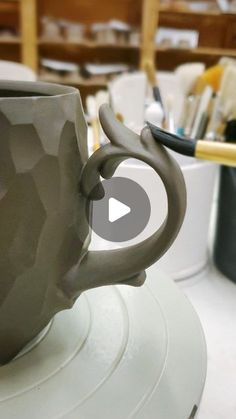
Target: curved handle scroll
<point>127,265</point>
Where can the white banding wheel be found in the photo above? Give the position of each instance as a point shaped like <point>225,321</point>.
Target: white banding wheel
<point>120,353</point>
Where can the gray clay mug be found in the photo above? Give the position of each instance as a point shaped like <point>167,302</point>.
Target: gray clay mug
<point>46,182</point>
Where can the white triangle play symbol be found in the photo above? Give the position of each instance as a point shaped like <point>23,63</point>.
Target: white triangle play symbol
<point>117,210</point>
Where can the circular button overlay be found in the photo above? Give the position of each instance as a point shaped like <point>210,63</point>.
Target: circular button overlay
<point>124,211</point>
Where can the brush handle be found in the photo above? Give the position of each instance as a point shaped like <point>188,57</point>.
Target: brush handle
<point>150,14</point>
<point>223,153</point>
<point>96,133</point>
<point>157,95</point>
<point>149,68</point>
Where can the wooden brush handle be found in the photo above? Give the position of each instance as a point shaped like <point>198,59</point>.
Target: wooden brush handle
<point>223,153</point>
<point>96,134</point>
<point>149,27</point>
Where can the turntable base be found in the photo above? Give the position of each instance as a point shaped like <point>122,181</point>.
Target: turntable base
<point>120,353</point>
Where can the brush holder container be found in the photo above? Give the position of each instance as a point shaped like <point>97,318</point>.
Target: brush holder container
<point>225,237</point>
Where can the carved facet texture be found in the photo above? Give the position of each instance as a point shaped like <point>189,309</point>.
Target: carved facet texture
<point>42,229</point>
<point>45,190</point>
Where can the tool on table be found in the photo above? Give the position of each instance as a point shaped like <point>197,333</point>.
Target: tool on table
<point>222,153</point>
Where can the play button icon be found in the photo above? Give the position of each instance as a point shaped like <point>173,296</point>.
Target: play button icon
<point>117,210</point>
<point>124,211</point>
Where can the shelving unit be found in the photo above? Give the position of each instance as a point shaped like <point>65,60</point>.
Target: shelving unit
<point>28,19</point>
<point>212,43</point>
<point>217,34</point>
<point>8,8</point>
<point>21,16</point>
<point>84,44</point>
<point>9,17</point>
<point>87,12</point>
<point>170,58</point>
<point>10,40</point>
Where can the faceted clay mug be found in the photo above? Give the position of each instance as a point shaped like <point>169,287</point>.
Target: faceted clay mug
<point>47,184</point>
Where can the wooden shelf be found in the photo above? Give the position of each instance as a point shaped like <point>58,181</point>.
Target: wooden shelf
<point>10,41</point>
<point>86,87</point>
<point>166,9</point>
<point>73,81</point>
<point>214,51</point>
<point>217,35</point>
<point>89,11</point>
<point>204,13</point>
<point>9,6</point>
<point>218,52</point>
<point>61,43</point>
<point>88,51</point>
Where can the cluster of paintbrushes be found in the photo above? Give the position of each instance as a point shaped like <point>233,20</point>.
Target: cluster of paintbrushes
<point>211,103</point>
<point>208,109</point>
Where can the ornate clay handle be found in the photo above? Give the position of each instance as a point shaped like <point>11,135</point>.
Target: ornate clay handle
<point>127,265</point>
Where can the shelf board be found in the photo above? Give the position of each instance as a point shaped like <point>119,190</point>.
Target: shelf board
<point>205,13</point>
<point>199,51</point>
<point>61,43</point>
<point>9,6</point>
<point>91,44</point>
<point>214,51</point>
<point>73,81</point>
<point>179,11</point>
<point>10,40</point>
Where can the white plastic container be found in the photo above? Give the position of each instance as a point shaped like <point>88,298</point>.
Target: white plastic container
<point>189,253</point>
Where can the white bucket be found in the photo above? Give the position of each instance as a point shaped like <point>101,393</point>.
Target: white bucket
<point>189,253</point>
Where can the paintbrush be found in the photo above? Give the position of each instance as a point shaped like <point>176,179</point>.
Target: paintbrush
<point>222,153</point>
<point>152,79</point>
<point>210,77</point>
<point>192,107</point>
<point>169,119</point>
<point>215,120</point>
<point>93,117</point>
<point>224,108</point>
<point>202,110</point>
<point>150,13</point>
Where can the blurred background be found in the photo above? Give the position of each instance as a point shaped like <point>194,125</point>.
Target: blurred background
<point>172,63</point>
<point>68,42</point>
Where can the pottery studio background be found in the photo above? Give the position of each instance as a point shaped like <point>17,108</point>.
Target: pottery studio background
<point>171,63</point>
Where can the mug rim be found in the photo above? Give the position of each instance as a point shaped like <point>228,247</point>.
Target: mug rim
<point>41,89</point>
